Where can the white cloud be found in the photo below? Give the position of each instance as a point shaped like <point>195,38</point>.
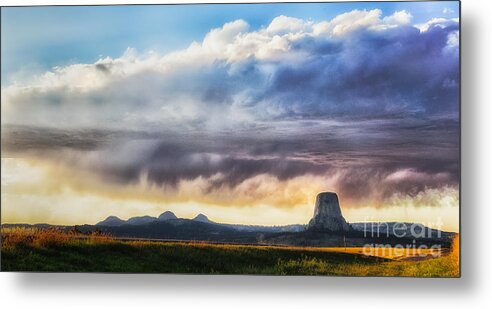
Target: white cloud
<point>348,22</point>
<point>398,18</point>
<point>453,43</point>
<point>281,81</point>
<point>437,197</point>
<point>436,22</point>
<point>218,39</point>
<point>231,70</point>
<point>283,24</point>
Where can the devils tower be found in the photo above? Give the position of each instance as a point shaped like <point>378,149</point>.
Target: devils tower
<point>327,214</point>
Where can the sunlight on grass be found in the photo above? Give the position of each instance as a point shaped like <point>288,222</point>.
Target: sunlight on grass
<point>30,249</point>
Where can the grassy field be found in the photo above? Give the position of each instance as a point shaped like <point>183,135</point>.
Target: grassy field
<point>26,249</point>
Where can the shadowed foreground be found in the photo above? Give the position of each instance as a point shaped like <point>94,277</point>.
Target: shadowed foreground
<point>57,251</point>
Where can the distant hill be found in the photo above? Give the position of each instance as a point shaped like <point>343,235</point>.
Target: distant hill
<point>266,228</point>
<point>202,218</point>
<point>169,227</point>
<point>141,220</point>
<point>398,229</point>
<point>115,221</point>
<point>169,215</point>
<point>178,229</point>
<point>111,221</point>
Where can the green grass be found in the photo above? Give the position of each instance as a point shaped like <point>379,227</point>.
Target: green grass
<point>108,255</point>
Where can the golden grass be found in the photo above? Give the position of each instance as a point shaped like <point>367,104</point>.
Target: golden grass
<point>446,264</point>
<point>13,237</point>
<point>455,252</point>
<point>61,250</point>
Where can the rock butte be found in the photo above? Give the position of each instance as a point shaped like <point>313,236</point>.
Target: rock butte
<point>327,214</point>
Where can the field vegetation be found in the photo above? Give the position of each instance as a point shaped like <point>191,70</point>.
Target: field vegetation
<point>30,249</point>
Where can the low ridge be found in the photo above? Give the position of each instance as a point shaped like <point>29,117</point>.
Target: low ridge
<point>111,221</point>
<point>202,218</point>
<point>167,215</point>
<point>141,220</point>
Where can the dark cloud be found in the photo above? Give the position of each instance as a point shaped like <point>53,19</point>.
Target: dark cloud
<point>103,67</point>
<point>19,139</point>
<point>377,109</point>
<point>371,73</point>
<point>363,160</point>
<point>366,74</point>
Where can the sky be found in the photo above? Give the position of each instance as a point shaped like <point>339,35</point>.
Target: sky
<point>241,112</point>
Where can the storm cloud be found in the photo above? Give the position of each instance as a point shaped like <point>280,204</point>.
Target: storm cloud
<point>234,78</point>
<point>370,102</point>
